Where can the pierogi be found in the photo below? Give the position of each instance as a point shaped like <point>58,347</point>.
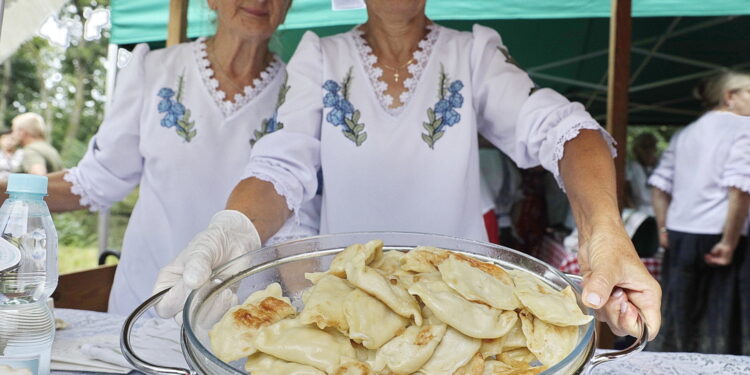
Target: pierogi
<point>427,311</point>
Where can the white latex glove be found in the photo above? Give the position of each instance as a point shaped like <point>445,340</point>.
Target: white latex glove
<point>229,235</point>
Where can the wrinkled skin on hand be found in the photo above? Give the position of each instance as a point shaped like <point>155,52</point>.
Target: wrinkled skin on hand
<point>615,282</point>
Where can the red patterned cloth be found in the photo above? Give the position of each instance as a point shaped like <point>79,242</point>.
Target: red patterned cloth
<point>556,255</point>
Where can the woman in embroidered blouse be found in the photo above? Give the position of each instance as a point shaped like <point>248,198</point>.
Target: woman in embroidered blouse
<point>391,111</point>
<point>181,126</point>
<point>701,197</point>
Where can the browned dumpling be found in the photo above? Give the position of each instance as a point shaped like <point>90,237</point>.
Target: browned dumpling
<point>471,319</point>
<point>369,251</point>
<point>474,367</point>
<point>479,282</point>
<point>353,367</point>
<point>423,259</point>
<point>552,306</point>
<point>493,367</point>
<point>514,339</point>
<point>377,285</point>
<point>549,343</point>
<point>406,353</point>
<point>388,262</point>
<point>264,364</point>
<point>233,337</point>
<point>293,341</point>
<point>370,322</point>
<point>453,352</point>
<point>324,304</point>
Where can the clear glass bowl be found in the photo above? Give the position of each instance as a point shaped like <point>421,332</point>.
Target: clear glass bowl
<point>288,262</point>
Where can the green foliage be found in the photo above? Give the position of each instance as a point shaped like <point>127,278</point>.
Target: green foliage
<point>77,228</point>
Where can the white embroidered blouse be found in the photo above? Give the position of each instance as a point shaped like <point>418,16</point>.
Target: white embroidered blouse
<point>171,132</point>
<point>414,168</point>
<point>702,162</point>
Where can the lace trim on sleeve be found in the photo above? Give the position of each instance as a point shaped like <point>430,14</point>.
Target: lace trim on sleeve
<point>79,190</point>
<point>420,57</point>
<point>739,182</point>
<point>569,135</point>
<point>660,183</point>
<point>250,91</point>
<point>281,189</point>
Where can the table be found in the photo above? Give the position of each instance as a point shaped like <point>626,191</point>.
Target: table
<point>640,363</point>
<point>554,253</point>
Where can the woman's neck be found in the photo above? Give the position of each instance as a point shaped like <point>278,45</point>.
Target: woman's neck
<point>238,61</point>
<point>394,41</point>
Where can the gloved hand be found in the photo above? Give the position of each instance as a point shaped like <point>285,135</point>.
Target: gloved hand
<point>229,235</point>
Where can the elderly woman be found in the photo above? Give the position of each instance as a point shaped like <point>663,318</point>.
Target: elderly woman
<point>181,126</point>
<point>391,110</point>
<point>701,196</point>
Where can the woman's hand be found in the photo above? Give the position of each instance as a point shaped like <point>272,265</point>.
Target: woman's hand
<point>615,281</point>
<point>229,235</point>
<point>663,239</point>
<point>720,255</point>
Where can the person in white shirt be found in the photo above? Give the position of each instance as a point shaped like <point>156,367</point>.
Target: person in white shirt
<point>637,171</point>
<point>181,126</point>
<point>701,196</point>
<point>11,155</point>
<point>391,110</point>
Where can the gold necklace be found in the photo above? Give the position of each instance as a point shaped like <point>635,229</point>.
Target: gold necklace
<point>397,69</point>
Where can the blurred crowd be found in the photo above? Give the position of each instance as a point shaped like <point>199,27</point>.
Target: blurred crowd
<point>24,147</point>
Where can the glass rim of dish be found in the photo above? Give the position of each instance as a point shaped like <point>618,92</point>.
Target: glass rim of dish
<point>217,284</point>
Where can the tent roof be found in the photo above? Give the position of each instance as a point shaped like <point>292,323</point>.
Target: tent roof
<point>135,21</point>
<point>563,45</point>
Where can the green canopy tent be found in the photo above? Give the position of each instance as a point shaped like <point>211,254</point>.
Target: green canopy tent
<point>563,45</point>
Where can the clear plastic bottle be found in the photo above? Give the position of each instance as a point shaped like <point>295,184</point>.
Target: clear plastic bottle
<point>28,276</point>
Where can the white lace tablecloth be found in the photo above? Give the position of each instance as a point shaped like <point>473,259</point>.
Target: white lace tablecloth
<point>88,323</point>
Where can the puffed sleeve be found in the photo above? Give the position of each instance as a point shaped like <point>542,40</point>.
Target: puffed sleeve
<point>662,177</point>
<point>736,171</point>
<point>290,157</point>
<point>530,125</point>
<point>112,165</point>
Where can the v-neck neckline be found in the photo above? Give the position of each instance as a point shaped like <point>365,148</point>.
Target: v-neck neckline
<point>421,57</point>
<point>250,92</point>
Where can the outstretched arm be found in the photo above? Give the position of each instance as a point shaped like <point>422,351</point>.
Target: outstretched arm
<point>608,260</point>
<point>59,198</point>
<point>260,202</point>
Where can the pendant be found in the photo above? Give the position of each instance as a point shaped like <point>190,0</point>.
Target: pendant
<point>395,77</point>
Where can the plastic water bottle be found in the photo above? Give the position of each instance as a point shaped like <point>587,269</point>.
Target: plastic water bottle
<point>28,276</point>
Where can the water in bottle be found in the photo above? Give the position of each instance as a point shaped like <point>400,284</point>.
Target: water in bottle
<point>28,276</point>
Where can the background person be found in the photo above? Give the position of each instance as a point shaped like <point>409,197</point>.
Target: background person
<point>10,155</point>
<point>391,111</point>
<point>39,157</point>
<point>701,196</point>
<point>181,126</point>
<point>637,171</point>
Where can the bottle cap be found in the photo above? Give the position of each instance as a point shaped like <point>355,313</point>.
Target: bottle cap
<point>27,183</point>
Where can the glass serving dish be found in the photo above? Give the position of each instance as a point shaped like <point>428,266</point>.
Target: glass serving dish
<point>287,263</point>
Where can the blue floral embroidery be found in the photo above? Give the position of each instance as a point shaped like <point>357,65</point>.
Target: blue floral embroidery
<point>270,125</point>
<point>342,111</point>
<point>444,112</point>
<point>176,115</point>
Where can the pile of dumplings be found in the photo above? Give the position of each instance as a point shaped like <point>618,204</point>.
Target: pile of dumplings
<point>428,311</point>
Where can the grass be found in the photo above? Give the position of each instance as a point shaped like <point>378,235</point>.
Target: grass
<point>73,259</point>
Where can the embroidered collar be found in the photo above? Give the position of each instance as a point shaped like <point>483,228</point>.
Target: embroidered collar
<point>420,57</point>
<point>250,92</point>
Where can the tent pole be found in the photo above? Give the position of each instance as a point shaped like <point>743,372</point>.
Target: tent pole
<point>177,28</point>
<point>618,84</point>
<point>617,104</point>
